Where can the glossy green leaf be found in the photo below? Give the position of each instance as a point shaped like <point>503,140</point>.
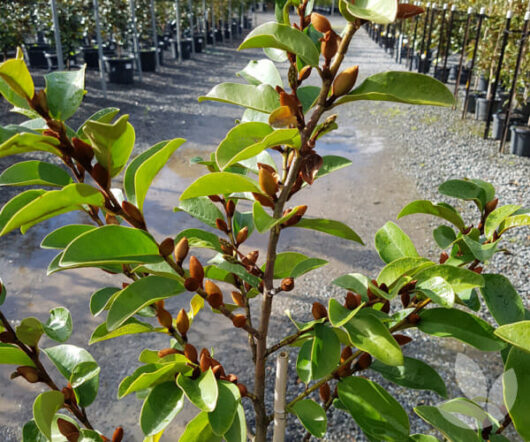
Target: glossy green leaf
<point>325,352</point>
<point>29,173</point>
<point>331,163</point>
<point>331,227</point>
<point>160,407</point>
<point>201,208</point>
<point>376,11</point>
<point>464,190</point>
<point>444,236</point>
<point>89,436</point>
<point>129,327</point>
<point>262,98</point>
<point>64,92</point>
<point>284,37</point>
<point>261,72</point>
<point>61,237</point>
<point>199,430</point>
<point>105,115</point>
<point>17,203</point>
<point>29,331</point>
<point>359,283</point>
<point>339,315</point>
<point>222,417</point>
<point>111,244</point>
<point>516,334</point>
<point>286,262</point>
<point>202,392</point>
<point>503,301</point>
<point>15,73</point>
<point>399,267</point>
<point>200,238</point>
<point>392,243</point>
<point>83,373</point>
<point>439,210</point>
<point>439,290</point>
<point>237,269</point>
<point>139,294</point>
<point>44,408</point>
<point>100,299</point>
<point>495,218</point>
<point>112,142</point>
<point>59,325</point>
<point>459,278</point>
<point>29,142</point>
<point>453,323</point>
<point>264,222</point>
<point>150,375</point>
<point>448,424</point>
<point>31,433</point>
<point>303,362</point>
<point>238,430</point>
<point>401,87</point>
<point>220,183</point>
<point>66,357</point>
<point>312,416</point>
<point>378,414</point>
<point>308,96</point>
<point>414,374</point>
<point>517,220</point>
<point>306,266</point>
<point>10,354</point>
<point>369,334</point>
<point>53,203</point>
<point>516,383</point>
<point>422,438</point>
<point>143,169</point>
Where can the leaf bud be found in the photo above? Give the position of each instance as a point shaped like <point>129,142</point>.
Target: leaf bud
<point>221,225</point>
<point>214,294</point>
<point>191,353</point>
<point>164,318</point>
<point>320,23</point>
<point>364,361</point>
<point>352,301</point>
<point>443,257</point>
<point>111,220</point>
<point>166,247</point>
<point>196,270</point>
<point>68,430</point>
<point>319,311</point>
<point>101,176</point>
<point>304,73</point>
<point>181,250</point>
<point>218,371</point>
<point>491,205</point>
<point>83,151</point>
<point>263,200</point>
<point>329,45</point>
<point>287,284</point>
<point>68,393</point>
<point>168,351</point>
<point>238,299</point>
<point>31,374</point>
<point>133,212</point>
<point>345,354</point>
<point>39,103</point>
<point>205,362</point>
<point>345,81</point>
<point>183,322</point>
<point>408,10</point>
<point>230,208</point>
<point>324,392</point>
<point>405,299</point>
<point>215,198</point>
<point>268,182</point>
<point>413,318</point>
<point>242,390</point>
<point>478,270</point>
<point>402,339</point>
<point>117,436</point>
<point>386,307</point>
<point>232,378</point>
<point>239,320</point>
<point>242,235</point>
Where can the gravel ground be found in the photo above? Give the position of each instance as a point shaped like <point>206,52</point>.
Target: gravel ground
<point>400,154</point>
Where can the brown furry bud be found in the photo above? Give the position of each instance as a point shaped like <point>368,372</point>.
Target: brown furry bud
<point>215,198</point>
<point>345,354</point>
<point>386,307</point>
<point>191,284</point>
<point>117,436</point>
<point>111,219</point>
<point>83,151</point>
<point>345,81</point>
<point>68,430</point>
<point>443,257</point>
<point>253,256</point>
<point>407,10</point>
<point>221,225</point>
<point>242,390</point>
<point>133,212</point>
<point>218,371</point>
<point>215,296</point>
<point>300,212</point>
<point>329,45</point>
<point>352,301</point>
<point>304,73</point>
<point>319,311</point>
<point>413,318</point>
<point>268,182</point>
<point>39,103</point>
<point>292,102</point>
<point>196,270</point>
<point>230,208</point>
<point>101,176</point>
<point>205,362</point>
<point>191,353</point>
<point>263,200</point>
<point>287,284</point>
<point>232,378</point>
<point>324,392</point>
<point>183,322</point>
<point>405,299</point>
<point>166,247</point>
<point>239,320</point>
<point>320,23</point>
<point>181,250</point>
<point>364,361</point>
<point>402,339</point>
<point>68,393</point>
<point>164,318</point>
<point>238,299</point>
<point>491,206</point>
<point>168,351</point>
<point>31,374</point>
<point>478,270</point>
<point>242,235</point>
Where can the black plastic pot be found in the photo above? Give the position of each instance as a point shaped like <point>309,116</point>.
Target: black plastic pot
<point>482,84</point>
<point>185,46</point>
<point>36,55</point>
<point>453,72</point>
<point>121,70</point>
<point>481,109</point>
<point>472,101</point>
<point>498,124</point>
<point>464,76</point>
<point>148,59</point>
<point>161,47</point>
<point>199,40</point>
<point>91,57</point>
<point>441,74</point>
<point>520,143</point>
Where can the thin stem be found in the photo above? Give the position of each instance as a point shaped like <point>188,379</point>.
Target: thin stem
<point>287,341</point>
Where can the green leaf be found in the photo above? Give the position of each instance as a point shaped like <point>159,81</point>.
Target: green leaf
<point>29,173</point>
<point>378,414</point>
<point>29,331</point>
<point>284,37</point>
<point>15,73</point>
<point>112,142</point>
<point>261,72</point>
<point>465,190</point>
<point>139,294</point>
<point>392,243</point>
<point>448,424</point>
<point>308,96</point>
<point>150,375</point>
<point>444,236</point>
<point>399,267</point>
<point>201,392</point>
<point>65,92</point>
<point>264,222</point>
<point>495,218</point>
<point>66,357</point>
<point>44,408</point>
<point>143,169</point>
<point>517,220</point>
<point>376,11</point>
<point>237,269</point>
<point>238,430</point>
<point>222,417</point>
<point>31,433</point>
<point>439,290</point>
<point>100,299</point>
<point>200,238</point>
<point>28,142</point>
<point>312,416</point>
<point>303,362</point>
<point>331,163</point>
<point>61,237</point>
<point>331,227</point>
<point>422,438</point>
<point>503,301</point>
<point>83,373</point>
<point>369,334</point>
<point>16,203</point>
<point>89,436</point>
<point>160,407</point>
<point>262,98</point>
<point>516,383</point>
<point>3,292</point>
<point>459,278</point>
<point>199,430</point>
<point>453,323</point>
<point>439,210</point>
<point>359,283</point>
<point>130,327</point>
<point>105,115</point>
<point>401,87</point>
<point>201,208</point>
<point>10,354</point>
<point>111,244</point>
<point>286,262</point>
<point>339,315</point>
<point>414,374</point>
<point>325,352</point>
<point>306,266</point>
<point>220,183</point>
<point>59,325</point>
<point>52,203</point>
<point>517,334</point>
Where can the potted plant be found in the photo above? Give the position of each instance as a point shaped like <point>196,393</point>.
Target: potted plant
<point>144,27</point>
<point>14,26</point>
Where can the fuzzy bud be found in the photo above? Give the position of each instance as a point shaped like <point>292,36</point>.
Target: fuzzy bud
<point>168,351</point>
<point>164,318</point>
<point>101,176</point>
<point>68,430</point>
<point>215,296</point>
<point>320,23</point>
<point>232,378</point>
<point>242,235</point>
<point>133,212</point>
<point>263,200</point>
<point>196,270</point>
<point>221,225</point>
<point>287,284</point>
<point>345,81</point>
<point>238,299</point>
<point>218,371</point>
<point>402,339</point>
<point>492,205</point>
<point>304,73</point>
<point>183,322</point>
<point>386,307</point>
<point>191,284</point>
<point>166,247</point>
<point>364,361</point>
<point>329,45</point>
<point>443,257</point>
<point>319,311</point>
<point>117,436</point>
<point>181,250</point>
<point>31,374</point>
<point>242,390</point>
<point>324,392</point>
<point>239,320</point>
<point>230,208</point>
<point>268,182</point>
<point>352,301</point>
<point>345,354</point>
<point>205,362</point>
<point>413,318</point>
<point>191,353</point>
<point>405,299</point>
<point>83,151</point>
<point>215,198</point>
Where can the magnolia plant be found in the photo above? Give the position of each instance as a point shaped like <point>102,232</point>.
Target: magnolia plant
<point>244,191</point>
